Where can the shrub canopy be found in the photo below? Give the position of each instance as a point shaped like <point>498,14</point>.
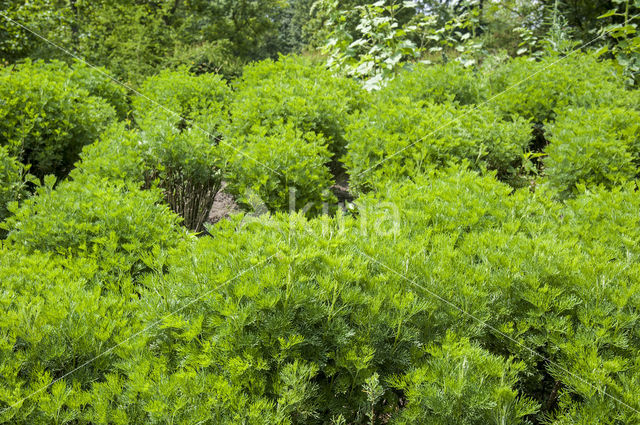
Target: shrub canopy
<point>46,117</point>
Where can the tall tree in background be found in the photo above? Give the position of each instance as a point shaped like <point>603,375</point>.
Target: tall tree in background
<point>47,17</point>
<point>134,38</point>
<point>293,32</point>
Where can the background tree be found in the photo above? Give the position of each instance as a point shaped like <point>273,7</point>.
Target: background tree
<point>134,38</point>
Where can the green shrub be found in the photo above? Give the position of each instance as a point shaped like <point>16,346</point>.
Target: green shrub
<point>330,320</point>
<point>61,317</point>
<point>95,80</point>
<point>299,92</point>
<point>564,303</point>
<point>450,82</point>
<point>183,98</point>
<point>116,155</point>
<point>532,275</point>
<point>592,147</point>
<point>13,179</point>
<point>46,118</point>
<point>304,332</point>
<point>56,316</point>
<point>537,90</point>
<point>186,165</point>
<point>98,84</point>
<point>112,221</point>
<point>451,200</point>
<point>181,151</point>
<point>463,384</point>
<point>399,138</point>
<point>607,219</point>
<point>272,163</point>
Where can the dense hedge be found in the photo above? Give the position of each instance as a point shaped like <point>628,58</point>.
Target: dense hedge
<point>543,276</point>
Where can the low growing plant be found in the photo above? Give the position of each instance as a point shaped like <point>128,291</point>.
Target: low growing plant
<point>593,147</point>
<point>113,222</point>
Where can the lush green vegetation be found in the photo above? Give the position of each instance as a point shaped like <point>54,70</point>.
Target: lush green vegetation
<point>47,117</point>
<point>438,217</point>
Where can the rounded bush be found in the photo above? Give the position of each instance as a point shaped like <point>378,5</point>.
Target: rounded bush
<point>95,80</point>
<point>187,166</point>
<point>399,138</point>
<point>283,167</point>
<point>183,99</point>
<point>116,155</point>
<point>536,90</point>
<point>114,222</point>
<point>97,83</point>
<point>181,145</point>
<point>46,118</point>
<point>298,92</point>
<point>450,82</point>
